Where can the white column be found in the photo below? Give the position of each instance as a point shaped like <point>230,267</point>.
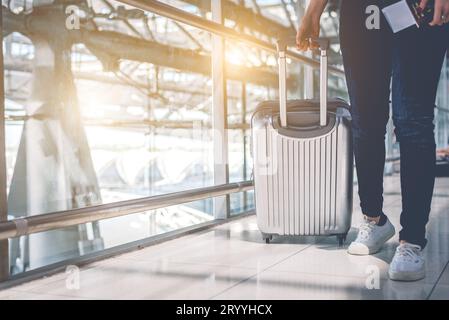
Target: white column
<point>4,248</point>
<point>219,113</point>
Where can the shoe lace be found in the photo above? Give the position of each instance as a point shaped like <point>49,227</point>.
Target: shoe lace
<point>408,251</point>
<point>366,229</point>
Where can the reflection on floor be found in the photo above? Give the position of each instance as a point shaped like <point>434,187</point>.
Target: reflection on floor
<point>232,262</point>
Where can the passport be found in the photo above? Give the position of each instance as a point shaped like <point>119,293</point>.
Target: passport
<point>406,13</point>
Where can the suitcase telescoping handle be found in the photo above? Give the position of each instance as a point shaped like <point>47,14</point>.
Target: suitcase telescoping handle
<point>282,45</point>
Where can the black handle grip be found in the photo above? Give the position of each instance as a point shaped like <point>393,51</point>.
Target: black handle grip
<point>283,43</point>
<point>322,43</point>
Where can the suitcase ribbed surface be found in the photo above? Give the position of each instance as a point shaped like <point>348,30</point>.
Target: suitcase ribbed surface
<point>302,191</point>
<point>297,182</point>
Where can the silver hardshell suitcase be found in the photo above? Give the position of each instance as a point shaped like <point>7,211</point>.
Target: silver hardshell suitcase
<point>303,161</point>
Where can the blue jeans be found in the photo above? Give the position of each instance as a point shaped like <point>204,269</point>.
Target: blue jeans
<point>413,60</point>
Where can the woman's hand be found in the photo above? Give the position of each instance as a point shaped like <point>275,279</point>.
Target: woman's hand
<point>310,25</point>
<point>441,15</point>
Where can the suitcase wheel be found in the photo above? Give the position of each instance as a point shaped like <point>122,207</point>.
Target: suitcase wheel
<point>341,239</point>
<point>267,237</point>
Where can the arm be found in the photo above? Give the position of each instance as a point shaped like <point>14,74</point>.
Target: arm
<point>441,15</point>
<point>310,24</point>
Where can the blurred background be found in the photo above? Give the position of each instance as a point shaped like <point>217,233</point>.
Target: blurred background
<point>104,103</point>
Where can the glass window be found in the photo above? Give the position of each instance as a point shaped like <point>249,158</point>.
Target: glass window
<point>112,113</point>
<point>103,103</point>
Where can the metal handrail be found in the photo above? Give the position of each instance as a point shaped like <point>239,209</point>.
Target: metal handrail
<point>179,15</point>
<point>57,220</point>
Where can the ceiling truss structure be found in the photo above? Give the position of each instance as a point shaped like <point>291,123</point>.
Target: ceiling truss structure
<point>141,45</point>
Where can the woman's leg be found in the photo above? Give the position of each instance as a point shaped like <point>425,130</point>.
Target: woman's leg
<point>418,56</point>
<point>367,62</point>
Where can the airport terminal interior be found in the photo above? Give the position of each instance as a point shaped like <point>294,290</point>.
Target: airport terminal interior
<point>126,166</point>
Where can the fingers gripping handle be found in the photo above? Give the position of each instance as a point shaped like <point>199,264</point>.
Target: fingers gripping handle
<point>323,45</point>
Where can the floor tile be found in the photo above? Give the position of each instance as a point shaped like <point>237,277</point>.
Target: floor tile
<point>27,286</point>
<point>444,277</point>
<point>331,260</point>
<point>225,248</point>
<point>441,292</point>
<point>126,279</point>
<point>20,295</point>
<point>298,286</point>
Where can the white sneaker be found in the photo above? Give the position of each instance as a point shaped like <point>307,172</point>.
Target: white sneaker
<point>408,263</point>
<point>371,237</point>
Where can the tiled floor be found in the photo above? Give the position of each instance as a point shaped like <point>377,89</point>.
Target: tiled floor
<point>232,262</point>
